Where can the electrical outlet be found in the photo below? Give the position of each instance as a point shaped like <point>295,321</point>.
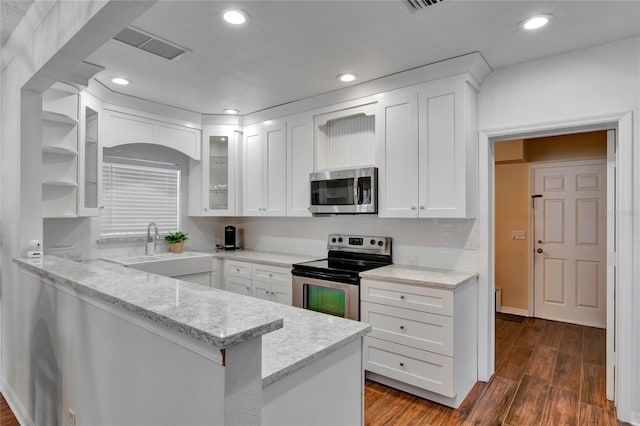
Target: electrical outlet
<point>72,417</point>
<point>518,235</point>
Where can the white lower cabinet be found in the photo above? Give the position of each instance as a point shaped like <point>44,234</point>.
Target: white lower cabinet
<point>238,285</point>
<point>262,281</point>
<point>423,339</point>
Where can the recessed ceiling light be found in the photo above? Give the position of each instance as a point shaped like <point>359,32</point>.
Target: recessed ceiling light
<point>235,17</point>
<point>536,22</point>
<point>121,81</point>
<point>231,111</point>
<point>347,77</point>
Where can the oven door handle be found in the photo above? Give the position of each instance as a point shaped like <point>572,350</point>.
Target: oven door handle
<point>324,276</point>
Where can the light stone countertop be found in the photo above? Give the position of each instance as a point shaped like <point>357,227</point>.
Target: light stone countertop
<point>284,260</point>
<point>418,275</point>
<point>291,337</point>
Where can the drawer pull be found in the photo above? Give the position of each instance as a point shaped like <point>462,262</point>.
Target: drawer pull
<point>402,364</point>
<point>402,327</point>
<point>270,275</point>
<point>402,297</point>
<point>237,269</point>
<point>247,287</point>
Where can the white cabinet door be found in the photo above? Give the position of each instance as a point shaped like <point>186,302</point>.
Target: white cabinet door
<point>253,172</point>
<point>262,291</point>
<point>397,142</point>
<point>90,156</point>
<point>275,156</point>
<point>299,164</point>
<point>238,285</point>
<point>212,181</point>
<point>282,294</point>
<point>445,125</point>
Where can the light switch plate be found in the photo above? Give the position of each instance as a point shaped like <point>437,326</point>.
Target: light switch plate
<point>518,235</point>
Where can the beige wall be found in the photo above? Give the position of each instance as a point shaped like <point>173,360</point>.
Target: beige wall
<point>513,203</point>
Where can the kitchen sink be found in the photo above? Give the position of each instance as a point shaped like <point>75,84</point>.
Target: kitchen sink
<point>169,264</point>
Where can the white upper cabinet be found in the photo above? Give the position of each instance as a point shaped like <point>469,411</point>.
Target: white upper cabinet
<point>427,150</point>
<point>127,128</point>
<point>90,156</point>
<point>265,169</point>
<point>299,164</point>
<point>398,165</point>
<point>213,180</point>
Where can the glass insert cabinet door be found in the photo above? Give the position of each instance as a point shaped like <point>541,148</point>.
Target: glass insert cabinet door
<point>218,173</point>
<point>90,156</point>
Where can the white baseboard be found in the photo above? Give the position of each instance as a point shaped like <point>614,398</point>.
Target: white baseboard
<point>14,403</point>
<point>514,311</point>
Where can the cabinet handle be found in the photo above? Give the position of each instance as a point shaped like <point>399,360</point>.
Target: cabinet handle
<point>402,297</point>
<point>205,209</point>
<point>402,327</point>
<point>402,364</point>
<point>413,207</point>
<point>270,275</point>
<point>247,287</point>
<point>421,207</point>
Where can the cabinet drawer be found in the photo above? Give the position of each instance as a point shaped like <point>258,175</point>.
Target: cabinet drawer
<point>238,285</point>
<point>271,274</point>
<point>425,299</point>
<point>237,269</point>
<point>422,369</point>
<point>429,332</point>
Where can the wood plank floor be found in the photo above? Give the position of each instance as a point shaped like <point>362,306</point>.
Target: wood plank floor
<point>547,373</point>
<point>6,415</point>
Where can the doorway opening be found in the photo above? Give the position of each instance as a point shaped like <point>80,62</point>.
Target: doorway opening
<point>551,223</point>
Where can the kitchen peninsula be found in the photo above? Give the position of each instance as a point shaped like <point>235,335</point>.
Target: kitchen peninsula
<point>130,341</point>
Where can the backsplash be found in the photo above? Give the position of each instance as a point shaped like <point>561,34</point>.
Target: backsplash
<point>438,243</point>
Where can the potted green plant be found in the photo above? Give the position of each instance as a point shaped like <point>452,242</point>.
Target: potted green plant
<point>176,241</point>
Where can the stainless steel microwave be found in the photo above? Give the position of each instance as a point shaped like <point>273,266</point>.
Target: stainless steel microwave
<point>344,191</point>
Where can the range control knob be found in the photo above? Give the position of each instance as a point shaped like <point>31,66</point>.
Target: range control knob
<point>372,242</point>
<point>340,239</point>
<point>333,240</point>
<point>380,243</point>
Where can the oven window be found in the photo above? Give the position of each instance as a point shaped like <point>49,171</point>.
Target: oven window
<point>334,192</point>
<point>326,300</point>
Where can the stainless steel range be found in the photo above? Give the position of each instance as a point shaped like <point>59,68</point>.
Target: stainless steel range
<point>332,285</point>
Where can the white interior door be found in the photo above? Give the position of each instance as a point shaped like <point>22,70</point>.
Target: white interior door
<point>570,242</point>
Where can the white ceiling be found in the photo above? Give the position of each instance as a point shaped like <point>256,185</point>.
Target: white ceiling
<point>294,49</point>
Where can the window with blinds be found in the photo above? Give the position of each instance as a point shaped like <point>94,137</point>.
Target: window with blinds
<point>136,195</point>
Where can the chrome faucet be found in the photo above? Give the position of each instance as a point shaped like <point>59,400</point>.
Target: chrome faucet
<point>151,242</point>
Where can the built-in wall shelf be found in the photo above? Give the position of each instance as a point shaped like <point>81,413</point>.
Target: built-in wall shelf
<point>62,216</point>
<point>58,118</point>
<point>59,150</point>
<point>60,135</point>
<point>66,183</point>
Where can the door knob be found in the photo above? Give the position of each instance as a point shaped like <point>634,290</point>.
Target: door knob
<point>539,250</point>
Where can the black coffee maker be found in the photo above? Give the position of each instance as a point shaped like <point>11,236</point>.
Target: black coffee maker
<point>231,238</point>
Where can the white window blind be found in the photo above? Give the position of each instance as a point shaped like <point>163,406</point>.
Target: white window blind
<point>135,195</point>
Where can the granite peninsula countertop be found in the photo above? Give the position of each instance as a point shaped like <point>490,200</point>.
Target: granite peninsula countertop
<point>418,275</point>
<point>291,337</point>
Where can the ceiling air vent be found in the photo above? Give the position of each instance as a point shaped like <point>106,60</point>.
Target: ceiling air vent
<point>149,43</point>
<point>416,5</point>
